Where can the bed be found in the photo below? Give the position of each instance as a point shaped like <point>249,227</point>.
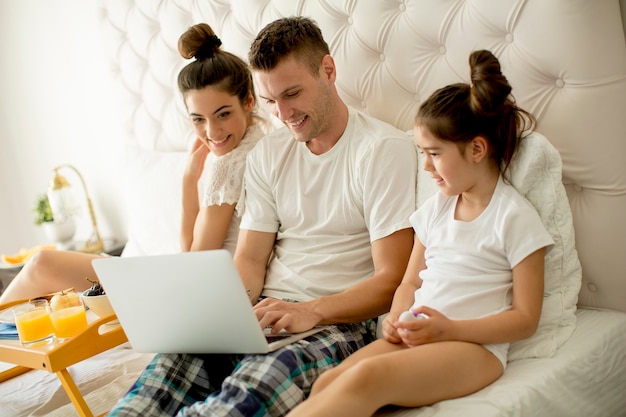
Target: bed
<point>566,60</point>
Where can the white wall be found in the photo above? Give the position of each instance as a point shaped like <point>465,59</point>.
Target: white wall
<point>55,108</point>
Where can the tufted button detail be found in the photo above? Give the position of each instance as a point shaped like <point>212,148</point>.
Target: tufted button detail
<point>363,104</point>
<point>560,83</point>
<point>402,7</point>
<point>381,57</point>
<point>578,187</point>
<point>592,287</point>
<point>350,20</point>
<point>509,37</point>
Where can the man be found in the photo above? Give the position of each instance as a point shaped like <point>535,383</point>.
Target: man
<point>324,239</point>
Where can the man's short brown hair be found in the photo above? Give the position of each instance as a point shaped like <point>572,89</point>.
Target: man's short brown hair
<point>296,36</point>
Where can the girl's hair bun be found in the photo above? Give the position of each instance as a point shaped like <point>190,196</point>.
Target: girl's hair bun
<point>490,89</point>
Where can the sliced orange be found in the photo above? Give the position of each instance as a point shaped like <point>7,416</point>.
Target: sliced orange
<point>25,254</point>
<point>12,259</point>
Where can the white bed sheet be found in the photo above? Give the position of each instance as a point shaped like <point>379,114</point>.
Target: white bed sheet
<point>101,379</point>
<point>587,377</point>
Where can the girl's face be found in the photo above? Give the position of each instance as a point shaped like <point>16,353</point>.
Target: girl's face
<point>451,169</point>
<point>218,118</point>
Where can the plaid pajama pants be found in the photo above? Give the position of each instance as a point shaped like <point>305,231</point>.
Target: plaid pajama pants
<point>240,385</point>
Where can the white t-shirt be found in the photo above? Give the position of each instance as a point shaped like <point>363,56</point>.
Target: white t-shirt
<point>469,264</point>
<point>327,209</point>
<point>223,178</point>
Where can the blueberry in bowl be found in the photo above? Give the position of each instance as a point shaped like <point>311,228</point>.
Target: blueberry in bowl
<point>96,300</point>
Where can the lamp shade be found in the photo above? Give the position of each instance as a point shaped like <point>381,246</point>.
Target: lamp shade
<point>61,197</point>
<point>63,205</point>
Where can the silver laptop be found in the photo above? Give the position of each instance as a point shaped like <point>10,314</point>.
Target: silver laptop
<point>192,302</point>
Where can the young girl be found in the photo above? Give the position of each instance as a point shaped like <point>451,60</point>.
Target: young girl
<point>474,282</point>
<point>219,96</point>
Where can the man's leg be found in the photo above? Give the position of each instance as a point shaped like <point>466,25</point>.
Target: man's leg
<point>172,381</point>
<point>272,384</point>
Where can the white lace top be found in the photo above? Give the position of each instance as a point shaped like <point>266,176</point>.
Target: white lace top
<point>223,179</point>
<point>224,174</point>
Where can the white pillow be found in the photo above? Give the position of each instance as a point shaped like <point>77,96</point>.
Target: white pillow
<point>153,201</point>
<point>536,173</point>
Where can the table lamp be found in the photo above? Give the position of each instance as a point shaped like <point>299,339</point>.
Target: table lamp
<point>63,204</point>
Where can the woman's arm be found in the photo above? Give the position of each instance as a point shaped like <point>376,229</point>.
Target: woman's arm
<point>211,227</point>
<point>202,228</point>
<point>190,198</point>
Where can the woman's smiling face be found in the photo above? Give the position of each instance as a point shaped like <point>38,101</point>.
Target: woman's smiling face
<point>218,118</point>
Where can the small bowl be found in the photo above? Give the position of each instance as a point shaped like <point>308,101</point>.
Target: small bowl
<point>99,304</point>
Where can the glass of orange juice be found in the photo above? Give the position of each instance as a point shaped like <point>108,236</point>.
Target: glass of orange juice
<point>68,314</point>
<point>33,322</point>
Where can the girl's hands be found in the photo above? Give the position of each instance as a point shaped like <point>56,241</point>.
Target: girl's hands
<point>435,328</point>
<point>197,157</point>
<point>390,332</point>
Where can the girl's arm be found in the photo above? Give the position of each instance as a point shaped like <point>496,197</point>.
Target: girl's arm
<point>522,320</point>
<point>405,293</point>
<point>518,323</point>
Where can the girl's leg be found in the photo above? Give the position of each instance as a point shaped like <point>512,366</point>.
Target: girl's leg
<point>375,348</point>
<point>49,271</point>
<point>412,377</point>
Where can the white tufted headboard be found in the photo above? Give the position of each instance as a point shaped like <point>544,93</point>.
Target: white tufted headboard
<point>566,60</point>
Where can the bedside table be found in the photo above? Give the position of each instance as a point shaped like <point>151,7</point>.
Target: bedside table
<point>6,276</point>
<point>114,247</point>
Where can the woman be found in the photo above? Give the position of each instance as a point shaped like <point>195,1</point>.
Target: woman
<point>219,95</point>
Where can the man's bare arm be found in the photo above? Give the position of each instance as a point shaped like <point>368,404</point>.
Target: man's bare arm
<point>251,257</point>
<point>373,296</point>
<point>364,300</point>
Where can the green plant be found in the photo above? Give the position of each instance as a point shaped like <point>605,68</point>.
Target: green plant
<point>43,212</point>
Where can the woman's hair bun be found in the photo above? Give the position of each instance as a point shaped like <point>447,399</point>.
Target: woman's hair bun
<point>210,47</point>
<point>199,41</point>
